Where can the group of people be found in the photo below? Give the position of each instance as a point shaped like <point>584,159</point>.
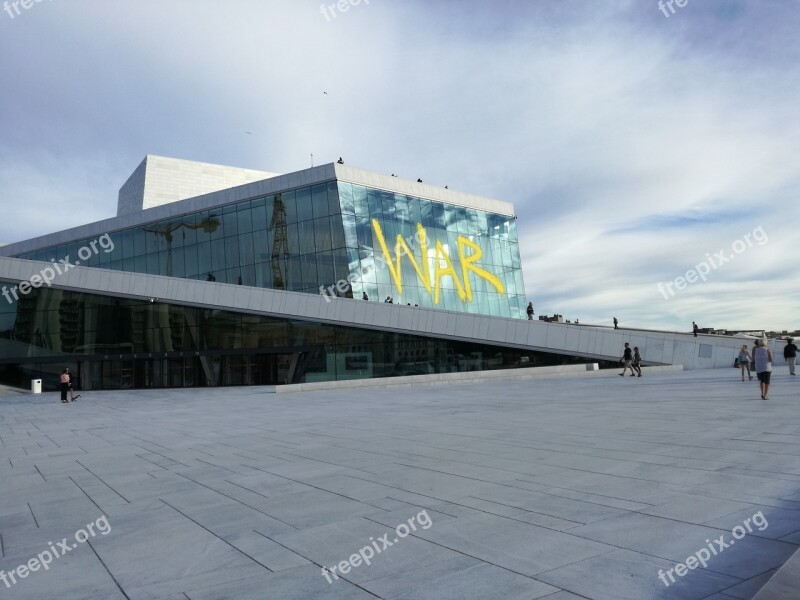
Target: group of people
<point>631,359</point>
<point>761,362</point>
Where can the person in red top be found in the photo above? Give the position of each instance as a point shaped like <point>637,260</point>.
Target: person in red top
<point>66,386</point>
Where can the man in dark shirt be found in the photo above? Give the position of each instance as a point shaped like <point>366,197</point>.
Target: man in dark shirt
<point>627,358</point>
<point>790,354</point>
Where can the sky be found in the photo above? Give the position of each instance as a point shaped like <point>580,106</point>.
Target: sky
<point>637,143</point>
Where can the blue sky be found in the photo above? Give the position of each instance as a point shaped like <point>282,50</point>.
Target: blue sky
<point>634,146</point>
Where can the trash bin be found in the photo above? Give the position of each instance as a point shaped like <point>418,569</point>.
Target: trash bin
<point>36,386</point>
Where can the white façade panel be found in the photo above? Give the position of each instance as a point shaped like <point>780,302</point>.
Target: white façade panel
<point>572,342</point>
<point>556,336</point>
<point>654,350</point>
<point>537,333</point>
<point>669,351</point>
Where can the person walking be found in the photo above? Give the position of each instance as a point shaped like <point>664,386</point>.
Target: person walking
<point>616,323</point>
<point>627,359</point>
<point>529,310</point>
<point>790,354</point>
<point>695,328</point>
<point>744,361</point>
<point>63,384</point>
<point>762,356</point>
<point>66,386</point>
<point>637,360</point>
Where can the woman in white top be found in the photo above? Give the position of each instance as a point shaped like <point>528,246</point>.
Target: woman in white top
<point>744,361</point>
<point>762,356</point>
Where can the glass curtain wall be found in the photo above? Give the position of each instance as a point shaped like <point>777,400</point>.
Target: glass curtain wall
<point>292,241</point>
<point>319,236</point>
<point>449,257</point>
<point>113,343</point>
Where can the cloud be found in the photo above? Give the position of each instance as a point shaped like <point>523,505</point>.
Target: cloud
<point>630,144</point>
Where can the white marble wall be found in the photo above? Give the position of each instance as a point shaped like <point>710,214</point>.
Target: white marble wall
<point>561,338</point>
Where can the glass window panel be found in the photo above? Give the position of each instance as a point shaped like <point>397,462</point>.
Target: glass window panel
<point>439,220</point>
<point>293,274</point>
<point>364,232</point>
<point>218,262</point>
<point>305,209</point>
<point>262,245</point>
<point>204,265</point>
<point>401,208</point>
<point>248,275</point>
<point>232,252</point>
<point>346,199</point>
<point>259,217</point>
<point>244,218</point>
<point>337,232</point>
<point>461,220</point>
<point>326,271</point>
<point>178,264</point>
<point>426,211</point>
<point>360,203</point>
<point>305,231</point>
<point>482,224</point>
<point>512,229</point>
<point>388,206</point>
<point>374,203</point>
<point>246,255</point>
<point>292,239</point>
<point>319,200</point>
<point>230,223</point>
<point>322,234</point>
<point>152,263</point>
<point>190,260</point>
<point>333,199</point>
<point>414,211</point>
<point>472,222</point>
<point>214,225</point>
<point>188,229</point>
<point>283,209</point>
<point>309,271</point>
<point>139,241</point>
<point>341,263</point>
<point>125,248</point>
<point>349,231</point>
<point>451,217</point>
<point>150,238</point>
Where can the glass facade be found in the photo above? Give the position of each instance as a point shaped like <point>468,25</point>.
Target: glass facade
<point>117,343</point>
<point>366,240</point>
<point>430,254</point>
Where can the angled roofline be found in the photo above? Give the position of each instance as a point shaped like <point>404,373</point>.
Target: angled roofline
<point>278,183</point>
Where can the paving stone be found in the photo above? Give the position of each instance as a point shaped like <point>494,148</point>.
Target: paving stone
<point>562,489</point>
